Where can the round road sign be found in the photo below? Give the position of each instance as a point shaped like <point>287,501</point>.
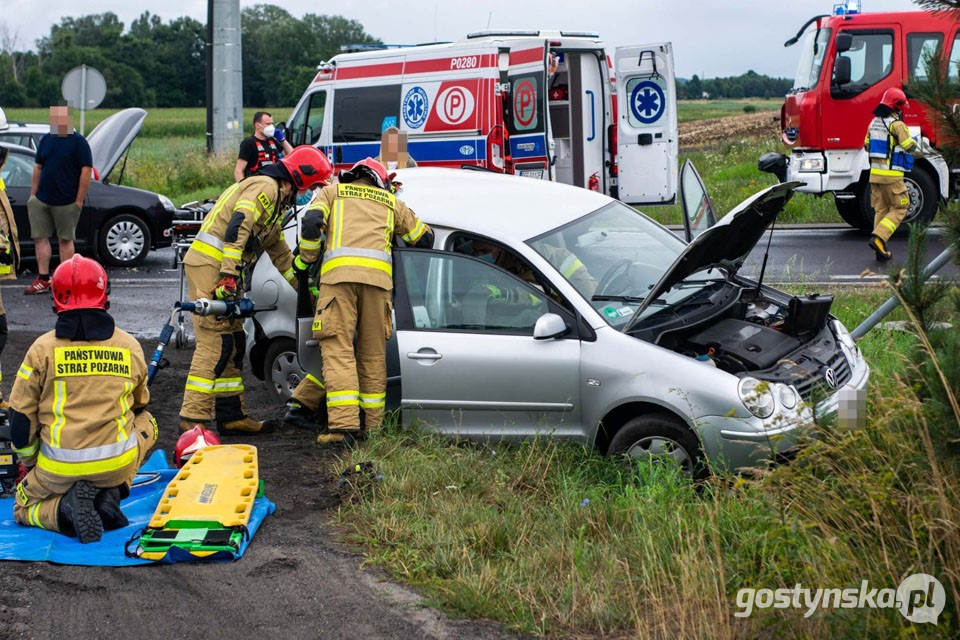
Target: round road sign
<point>83,88</point>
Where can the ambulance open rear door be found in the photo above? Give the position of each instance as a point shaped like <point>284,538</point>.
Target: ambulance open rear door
<point>523,73</point>
<point>647,145</point>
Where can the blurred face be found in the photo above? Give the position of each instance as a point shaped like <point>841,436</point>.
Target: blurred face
<point>59,120</point>
<point>264,121</point>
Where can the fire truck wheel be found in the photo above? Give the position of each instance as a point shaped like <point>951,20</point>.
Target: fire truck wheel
<point>856,211</point>
<point>924,197</point>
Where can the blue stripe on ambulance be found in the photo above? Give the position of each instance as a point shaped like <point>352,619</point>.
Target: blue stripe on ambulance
<point>528,146</point>
<point>446,150</point>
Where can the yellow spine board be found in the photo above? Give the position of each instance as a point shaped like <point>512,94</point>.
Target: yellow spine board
<point>218,484</point>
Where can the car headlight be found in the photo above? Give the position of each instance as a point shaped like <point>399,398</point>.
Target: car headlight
<point>757,397</point>
<point>811,164</point>
<point>167,203</point>
<point>787,396</point>
<point>846,340</point>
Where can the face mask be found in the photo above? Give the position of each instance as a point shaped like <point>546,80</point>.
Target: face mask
<point>304,197</point>
<point>487,257</point>
<point>269,130</point>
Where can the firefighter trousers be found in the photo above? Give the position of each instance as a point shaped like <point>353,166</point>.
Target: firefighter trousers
<point>355,377</point>
<point>214,383</point>
<point>890,201</point>
<point>38,494</point>
<point>311,392</point>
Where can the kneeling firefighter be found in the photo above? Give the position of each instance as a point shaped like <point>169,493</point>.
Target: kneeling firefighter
<point>9,250</point>
<point>360,217</point>
<point>78,412</point>
<point>246,219</point>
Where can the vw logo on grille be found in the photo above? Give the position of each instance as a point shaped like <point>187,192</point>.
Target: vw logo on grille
<point>831,377</point>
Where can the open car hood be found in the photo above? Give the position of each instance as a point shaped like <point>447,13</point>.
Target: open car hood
<point>110,139</point>
<point>727,243</point>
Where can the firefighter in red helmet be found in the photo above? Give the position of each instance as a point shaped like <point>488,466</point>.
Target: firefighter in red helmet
<point>246,219</point>
<point>890,148</point>
<point>78,413</point>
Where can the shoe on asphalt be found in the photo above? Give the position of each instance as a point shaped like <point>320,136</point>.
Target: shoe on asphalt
<point>300,417</point>
<point>37,286</point>
<point>107,504</point>
<point>346,437</point>
<point>77,515</point>
<point>880,248</point>
<point>246,426</point>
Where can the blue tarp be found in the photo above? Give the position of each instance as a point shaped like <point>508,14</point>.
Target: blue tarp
<point>18,542</point>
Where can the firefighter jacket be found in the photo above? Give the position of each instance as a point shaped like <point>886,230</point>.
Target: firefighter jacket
<point>245,220</point>
<point>80,398</point>
<point>8,236</point>
<point>360,222</point>
<point>888,143</point>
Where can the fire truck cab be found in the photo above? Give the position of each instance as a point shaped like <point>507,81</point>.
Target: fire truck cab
<point>846,63</point>
<point>553,105</point>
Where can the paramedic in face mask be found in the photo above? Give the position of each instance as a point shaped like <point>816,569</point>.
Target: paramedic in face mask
<point>262,149</point>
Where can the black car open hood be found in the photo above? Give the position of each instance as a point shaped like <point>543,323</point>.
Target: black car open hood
<point>727,243</point>
<point>110,139</point>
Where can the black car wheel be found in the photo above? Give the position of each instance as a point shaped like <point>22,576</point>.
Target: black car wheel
<point>660,438</point>
<point>282,368</point>
<point>123,241</point>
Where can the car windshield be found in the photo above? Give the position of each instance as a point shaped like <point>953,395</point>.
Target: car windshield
<point>813,47</point>
<point>613,257</point>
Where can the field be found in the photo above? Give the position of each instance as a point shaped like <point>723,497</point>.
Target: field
<point>717,135</point>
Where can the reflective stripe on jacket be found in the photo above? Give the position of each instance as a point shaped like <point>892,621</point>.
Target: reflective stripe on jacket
<point>360,222</point>
<point>80,398</point>
<point>888,144</point>
<point>245,220</point>
<point>8,236</point>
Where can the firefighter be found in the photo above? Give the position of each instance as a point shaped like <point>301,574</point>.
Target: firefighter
<point>889,145</point>
<point>246,219</point>
<point>360,217</point>
<point>78,413</point>
<point>9,251</point>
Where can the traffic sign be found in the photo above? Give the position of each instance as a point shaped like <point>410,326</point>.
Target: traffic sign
<point>83,88</point>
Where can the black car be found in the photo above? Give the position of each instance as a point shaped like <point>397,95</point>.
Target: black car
<point>119,225</point>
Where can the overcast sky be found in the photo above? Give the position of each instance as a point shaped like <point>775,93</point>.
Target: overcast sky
<point>710,37</point>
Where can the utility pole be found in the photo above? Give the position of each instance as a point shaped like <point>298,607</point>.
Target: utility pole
<point>224,77</point>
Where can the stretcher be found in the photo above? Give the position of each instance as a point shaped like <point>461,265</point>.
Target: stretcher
<point>206,508</point>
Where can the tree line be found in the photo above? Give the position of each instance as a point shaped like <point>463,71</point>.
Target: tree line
<point>748,85</point>
<point>162,64</point>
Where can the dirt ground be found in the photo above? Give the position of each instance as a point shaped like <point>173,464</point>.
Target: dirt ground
<point>294,581</point>
<point>703,134</point>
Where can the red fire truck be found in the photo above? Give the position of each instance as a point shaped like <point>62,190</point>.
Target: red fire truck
<point>847,60</point>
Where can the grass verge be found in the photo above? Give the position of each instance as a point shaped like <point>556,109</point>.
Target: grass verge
<point>554,539</point>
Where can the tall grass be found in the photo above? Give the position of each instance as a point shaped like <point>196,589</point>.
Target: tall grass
<point>554,539</point>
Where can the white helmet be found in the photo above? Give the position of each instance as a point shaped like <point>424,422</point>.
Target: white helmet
<point>3,120</point>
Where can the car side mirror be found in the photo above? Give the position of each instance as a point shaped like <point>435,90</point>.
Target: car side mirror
<point>844,41</point>
<point>548,326</point>
<point>841,71</point>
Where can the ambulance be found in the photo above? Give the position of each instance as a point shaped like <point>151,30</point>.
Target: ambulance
<point>551,105</point>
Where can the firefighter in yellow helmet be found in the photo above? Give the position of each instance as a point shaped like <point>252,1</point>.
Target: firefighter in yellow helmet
<point>890,147</point>
<point>9,250</point>
<point>246,220</point>
<point>360,217</point>
<point>78,415</point>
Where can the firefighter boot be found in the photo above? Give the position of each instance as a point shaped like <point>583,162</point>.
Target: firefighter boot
<point>880,248</point>
<point>77,515</point>
<point>300,417</point>
<point>245,426</point>
<point>334,437</point>
<point>107,504</point>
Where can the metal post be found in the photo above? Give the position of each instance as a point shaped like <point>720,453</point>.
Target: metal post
<point>83,98</point>
<point>227,72</point>
<point>893,302</point>
<point>209,76</point>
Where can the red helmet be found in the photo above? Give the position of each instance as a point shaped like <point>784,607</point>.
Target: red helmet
<point>308,166</point>
<point>367,168</point>
<point>894,98</point>
<point>79,283</point>
<point>192,441</point>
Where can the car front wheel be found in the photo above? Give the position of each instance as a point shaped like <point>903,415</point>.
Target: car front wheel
<point>660,438</point>
<point>123,241</point>
<point>282,367</point>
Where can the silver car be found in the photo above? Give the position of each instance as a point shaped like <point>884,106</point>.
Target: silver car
<point>550,309</point>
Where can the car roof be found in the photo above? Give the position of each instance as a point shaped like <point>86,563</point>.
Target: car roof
<point>26,127</point>
<point>493,204</point>
<point>17,147</point>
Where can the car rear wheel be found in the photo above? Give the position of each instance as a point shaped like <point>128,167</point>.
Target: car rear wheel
<point>282,368</point>
<point>660,438</point>
<point>123,241</point>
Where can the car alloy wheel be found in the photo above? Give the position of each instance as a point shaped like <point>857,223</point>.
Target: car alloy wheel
<point>125,241</point>
<point>285,373</point>
<point>661,448</point>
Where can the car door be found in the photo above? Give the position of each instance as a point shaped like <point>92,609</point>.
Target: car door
<point>647,146</point>
<point>523,76</point>
<point>17,174</point>
<point>468,361</point>
<point>698,212</point>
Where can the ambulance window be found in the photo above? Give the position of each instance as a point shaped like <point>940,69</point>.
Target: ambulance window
<point>526,103</point>
<point>921,47</point>
<point>871,60</point>
<point>954,68</point>
<point>359,113</point>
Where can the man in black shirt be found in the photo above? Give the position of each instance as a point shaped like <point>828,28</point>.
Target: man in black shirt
<point>263,148</point>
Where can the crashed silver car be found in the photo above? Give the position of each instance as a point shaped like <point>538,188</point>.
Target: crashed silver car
<point>549,309</point>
